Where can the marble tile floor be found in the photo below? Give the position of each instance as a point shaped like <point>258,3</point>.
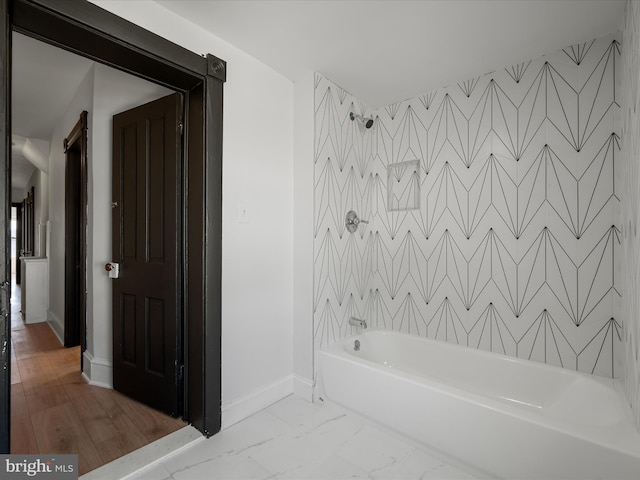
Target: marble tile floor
<point>294,439</point>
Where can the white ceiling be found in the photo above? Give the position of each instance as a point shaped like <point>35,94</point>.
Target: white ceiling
<point>21,171</point>
<point>381,51</point>
<point>386,51</point>
<point>44,80</point>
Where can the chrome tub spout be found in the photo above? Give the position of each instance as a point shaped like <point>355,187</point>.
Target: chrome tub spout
<point>356,322</point>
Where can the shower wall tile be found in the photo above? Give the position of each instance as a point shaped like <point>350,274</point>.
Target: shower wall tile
<point>629,179</point>
<point>343,262</point>
<point>515,242</point>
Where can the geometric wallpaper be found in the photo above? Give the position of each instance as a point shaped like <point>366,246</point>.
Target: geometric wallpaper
<point>630,211</point>
<point>492,208</point>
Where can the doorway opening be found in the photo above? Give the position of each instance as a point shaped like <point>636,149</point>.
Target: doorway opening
<point>47,384</point>
<point>92,32</point>
<point>75,223</point>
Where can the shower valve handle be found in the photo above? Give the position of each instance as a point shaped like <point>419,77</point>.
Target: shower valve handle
<point>352,221</point>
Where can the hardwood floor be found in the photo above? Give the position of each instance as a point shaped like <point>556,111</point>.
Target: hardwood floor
<point>53,409</point>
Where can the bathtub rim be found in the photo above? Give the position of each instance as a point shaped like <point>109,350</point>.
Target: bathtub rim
<point>619,436</point>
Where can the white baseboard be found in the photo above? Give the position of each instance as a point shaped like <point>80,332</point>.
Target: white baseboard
<point>303,388</point>
<point>243,407</point>
<point>31,321</point>
<point>97,371</point>
<point>56,325</point>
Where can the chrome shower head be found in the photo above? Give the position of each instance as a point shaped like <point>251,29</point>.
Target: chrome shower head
<point>365,122</point>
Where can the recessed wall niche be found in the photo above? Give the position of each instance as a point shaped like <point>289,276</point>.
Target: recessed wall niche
<point>403,186</point>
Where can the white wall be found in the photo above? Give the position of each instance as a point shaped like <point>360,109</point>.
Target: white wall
<point>16,194</point>
<point>257,270</point>
<point>630,195</point>
<point>303,237</point>
<point>40,181</point>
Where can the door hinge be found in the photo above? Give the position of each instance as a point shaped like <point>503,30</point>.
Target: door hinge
<point>180,372</point>
<point>181,127</point>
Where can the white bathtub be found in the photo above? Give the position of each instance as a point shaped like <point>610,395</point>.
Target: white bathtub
<point>507,417</point>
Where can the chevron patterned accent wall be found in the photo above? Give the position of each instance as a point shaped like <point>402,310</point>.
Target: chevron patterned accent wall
<point>629,186</point>
<point>492,206</point>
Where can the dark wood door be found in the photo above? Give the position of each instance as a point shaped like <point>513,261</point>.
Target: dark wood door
<point>146,237</point>
<point>28,241</point>
<point>18,272</point>
<point>73,260</point>
<point>28,224</point>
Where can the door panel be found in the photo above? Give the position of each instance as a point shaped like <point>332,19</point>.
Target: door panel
<point>75,223</point>
<point>73,260</point>
<point>28,224</point>
<point>18,271</point>
<point>146,237</point>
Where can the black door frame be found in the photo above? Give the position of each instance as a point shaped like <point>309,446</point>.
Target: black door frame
<point>75,224</point>
<point>92,32</point>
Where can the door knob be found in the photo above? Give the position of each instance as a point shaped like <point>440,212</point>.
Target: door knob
<point>113,269</point>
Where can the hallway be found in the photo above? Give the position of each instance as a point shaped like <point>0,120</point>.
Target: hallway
<point>54,410</point>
